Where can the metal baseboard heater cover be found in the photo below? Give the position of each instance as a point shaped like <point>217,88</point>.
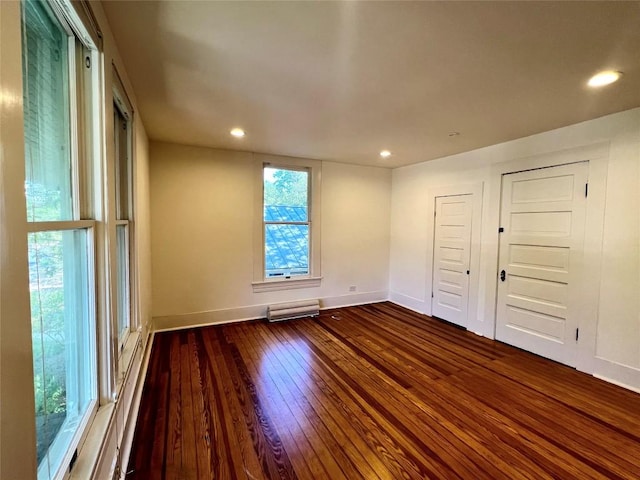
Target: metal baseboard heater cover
<point>291,310</point>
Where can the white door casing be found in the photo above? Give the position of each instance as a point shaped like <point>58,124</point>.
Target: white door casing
<point>451,258</point>
<point>541,254</point>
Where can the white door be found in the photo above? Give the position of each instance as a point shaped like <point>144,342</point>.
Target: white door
<point>451,257</point>
<point>542,215</point>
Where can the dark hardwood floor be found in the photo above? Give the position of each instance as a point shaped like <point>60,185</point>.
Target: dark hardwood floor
<point>373,392</point>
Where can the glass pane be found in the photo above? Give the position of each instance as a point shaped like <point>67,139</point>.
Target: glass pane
<point>63,340</point>
<point>46,116</point>
<point>285,195</point>
<point>124,306</point>
<point>286,250</point>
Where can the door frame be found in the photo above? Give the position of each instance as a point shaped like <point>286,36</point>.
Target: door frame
<point>598,157</point>
<point>475,190</point>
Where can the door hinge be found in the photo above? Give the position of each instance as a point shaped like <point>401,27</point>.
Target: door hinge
<point>586,190</point>
<point>500,229</point>
<point>577,334</point>
<point>431,294</point>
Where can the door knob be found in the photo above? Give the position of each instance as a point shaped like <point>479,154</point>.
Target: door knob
<point>503,275</point>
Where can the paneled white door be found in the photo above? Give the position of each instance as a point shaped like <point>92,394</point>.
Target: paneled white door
<point>451,258</point>
<point>539,270</point>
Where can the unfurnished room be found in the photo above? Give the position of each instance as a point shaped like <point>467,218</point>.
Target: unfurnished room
<point>247,240</point>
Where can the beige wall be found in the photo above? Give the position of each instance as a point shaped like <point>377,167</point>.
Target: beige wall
<point>617,332</point>
<point>202,208</point>
<point>143,226</point>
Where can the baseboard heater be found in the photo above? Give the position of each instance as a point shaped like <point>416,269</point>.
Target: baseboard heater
<point>289,311</point>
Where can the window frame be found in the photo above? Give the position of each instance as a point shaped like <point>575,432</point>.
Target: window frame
<point>307,223</point>
<point>124,216</point>
<point>83,86</point>
<point>126,346</point>
<point>260,282</point>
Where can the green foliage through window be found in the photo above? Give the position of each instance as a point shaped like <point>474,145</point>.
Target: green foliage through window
<point>285,187</point>
<point>62,316</point>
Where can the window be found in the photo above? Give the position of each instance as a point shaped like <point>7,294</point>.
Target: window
<point>289,250</point>
<point>57,111</point>
<point>286,222</point>
<point>123,190</point>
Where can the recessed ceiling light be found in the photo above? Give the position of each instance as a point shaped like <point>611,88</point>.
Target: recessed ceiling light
<point>237,132</point>
<point>385,153</point>
<point>603,78</point>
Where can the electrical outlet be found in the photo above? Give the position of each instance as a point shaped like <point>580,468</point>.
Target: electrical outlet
<point>352,288</point>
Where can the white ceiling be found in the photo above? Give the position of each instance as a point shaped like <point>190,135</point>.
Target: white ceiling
<point>343,80</point>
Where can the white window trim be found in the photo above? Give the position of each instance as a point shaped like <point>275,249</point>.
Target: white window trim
<point>313,279</point>
<point>120,361</point>
<point>287,284</point>
<point>121,99</point>
<point>70,21</point>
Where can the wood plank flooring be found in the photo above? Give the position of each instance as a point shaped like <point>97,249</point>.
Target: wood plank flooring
<point>373,392</point>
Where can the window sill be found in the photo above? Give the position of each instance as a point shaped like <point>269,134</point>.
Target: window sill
<point>289,284</point>
<point>94,445</point>
<point>89,451</point>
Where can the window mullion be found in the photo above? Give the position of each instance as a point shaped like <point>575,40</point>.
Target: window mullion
<point>33,227</point>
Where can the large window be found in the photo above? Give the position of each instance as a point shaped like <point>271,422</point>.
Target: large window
<point>287,249</point>
<point>57,113</point>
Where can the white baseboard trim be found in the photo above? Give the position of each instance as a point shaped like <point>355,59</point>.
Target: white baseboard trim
<point>211,317</point>
<point>254,312</point>
<point>353,299</point>
<point>621,375</point>
<point>406,301</point>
